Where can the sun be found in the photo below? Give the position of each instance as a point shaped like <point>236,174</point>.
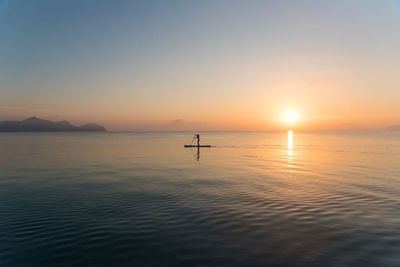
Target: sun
<point>290,116</point>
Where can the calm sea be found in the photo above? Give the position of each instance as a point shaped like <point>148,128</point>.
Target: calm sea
<point>142,199</point>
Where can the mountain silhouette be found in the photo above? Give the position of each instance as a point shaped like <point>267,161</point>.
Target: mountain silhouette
<point>35,124</point>
<point>393,128</point>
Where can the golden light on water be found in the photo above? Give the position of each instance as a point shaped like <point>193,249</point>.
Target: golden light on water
<point>290,140</point>
<point>290,148</point>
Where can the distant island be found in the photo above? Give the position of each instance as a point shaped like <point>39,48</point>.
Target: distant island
<point>35,124</point>
<point>393,128</point>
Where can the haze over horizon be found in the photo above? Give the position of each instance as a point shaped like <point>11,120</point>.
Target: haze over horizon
<point>210,65</point>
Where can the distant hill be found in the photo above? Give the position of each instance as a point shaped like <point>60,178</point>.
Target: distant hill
<point>35,124</point>
<point>394,128</point>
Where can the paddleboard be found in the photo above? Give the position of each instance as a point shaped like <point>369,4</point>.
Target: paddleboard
<point>197,146</point>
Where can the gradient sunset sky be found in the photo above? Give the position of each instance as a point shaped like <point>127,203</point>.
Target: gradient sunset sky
<point>202,65</point>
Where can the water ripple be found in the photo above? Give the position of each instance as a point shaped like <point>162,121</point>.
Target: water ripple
<point>251,204</point>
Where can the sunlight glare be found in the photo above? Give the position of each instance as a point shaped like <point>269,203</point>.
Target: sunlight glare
<point>290,116</point>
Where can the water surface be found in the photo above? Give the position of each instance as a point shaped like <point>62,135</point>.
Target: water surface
<point>141,199</point>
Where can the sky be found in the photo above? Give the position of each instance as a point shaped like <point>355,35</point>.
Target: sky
<point>202,65</point>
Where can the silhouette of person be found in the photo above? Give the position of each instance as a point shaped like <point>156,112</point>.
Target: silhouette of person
<point>198,139</point>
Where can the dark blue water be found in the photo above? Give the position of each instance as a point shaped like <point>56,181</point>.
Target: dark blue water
<point>141,199</point>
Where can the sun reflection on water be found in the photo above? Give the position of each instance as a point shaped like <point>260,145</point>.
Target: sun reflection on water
<point>290,140</point>
<point>290,147</point>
